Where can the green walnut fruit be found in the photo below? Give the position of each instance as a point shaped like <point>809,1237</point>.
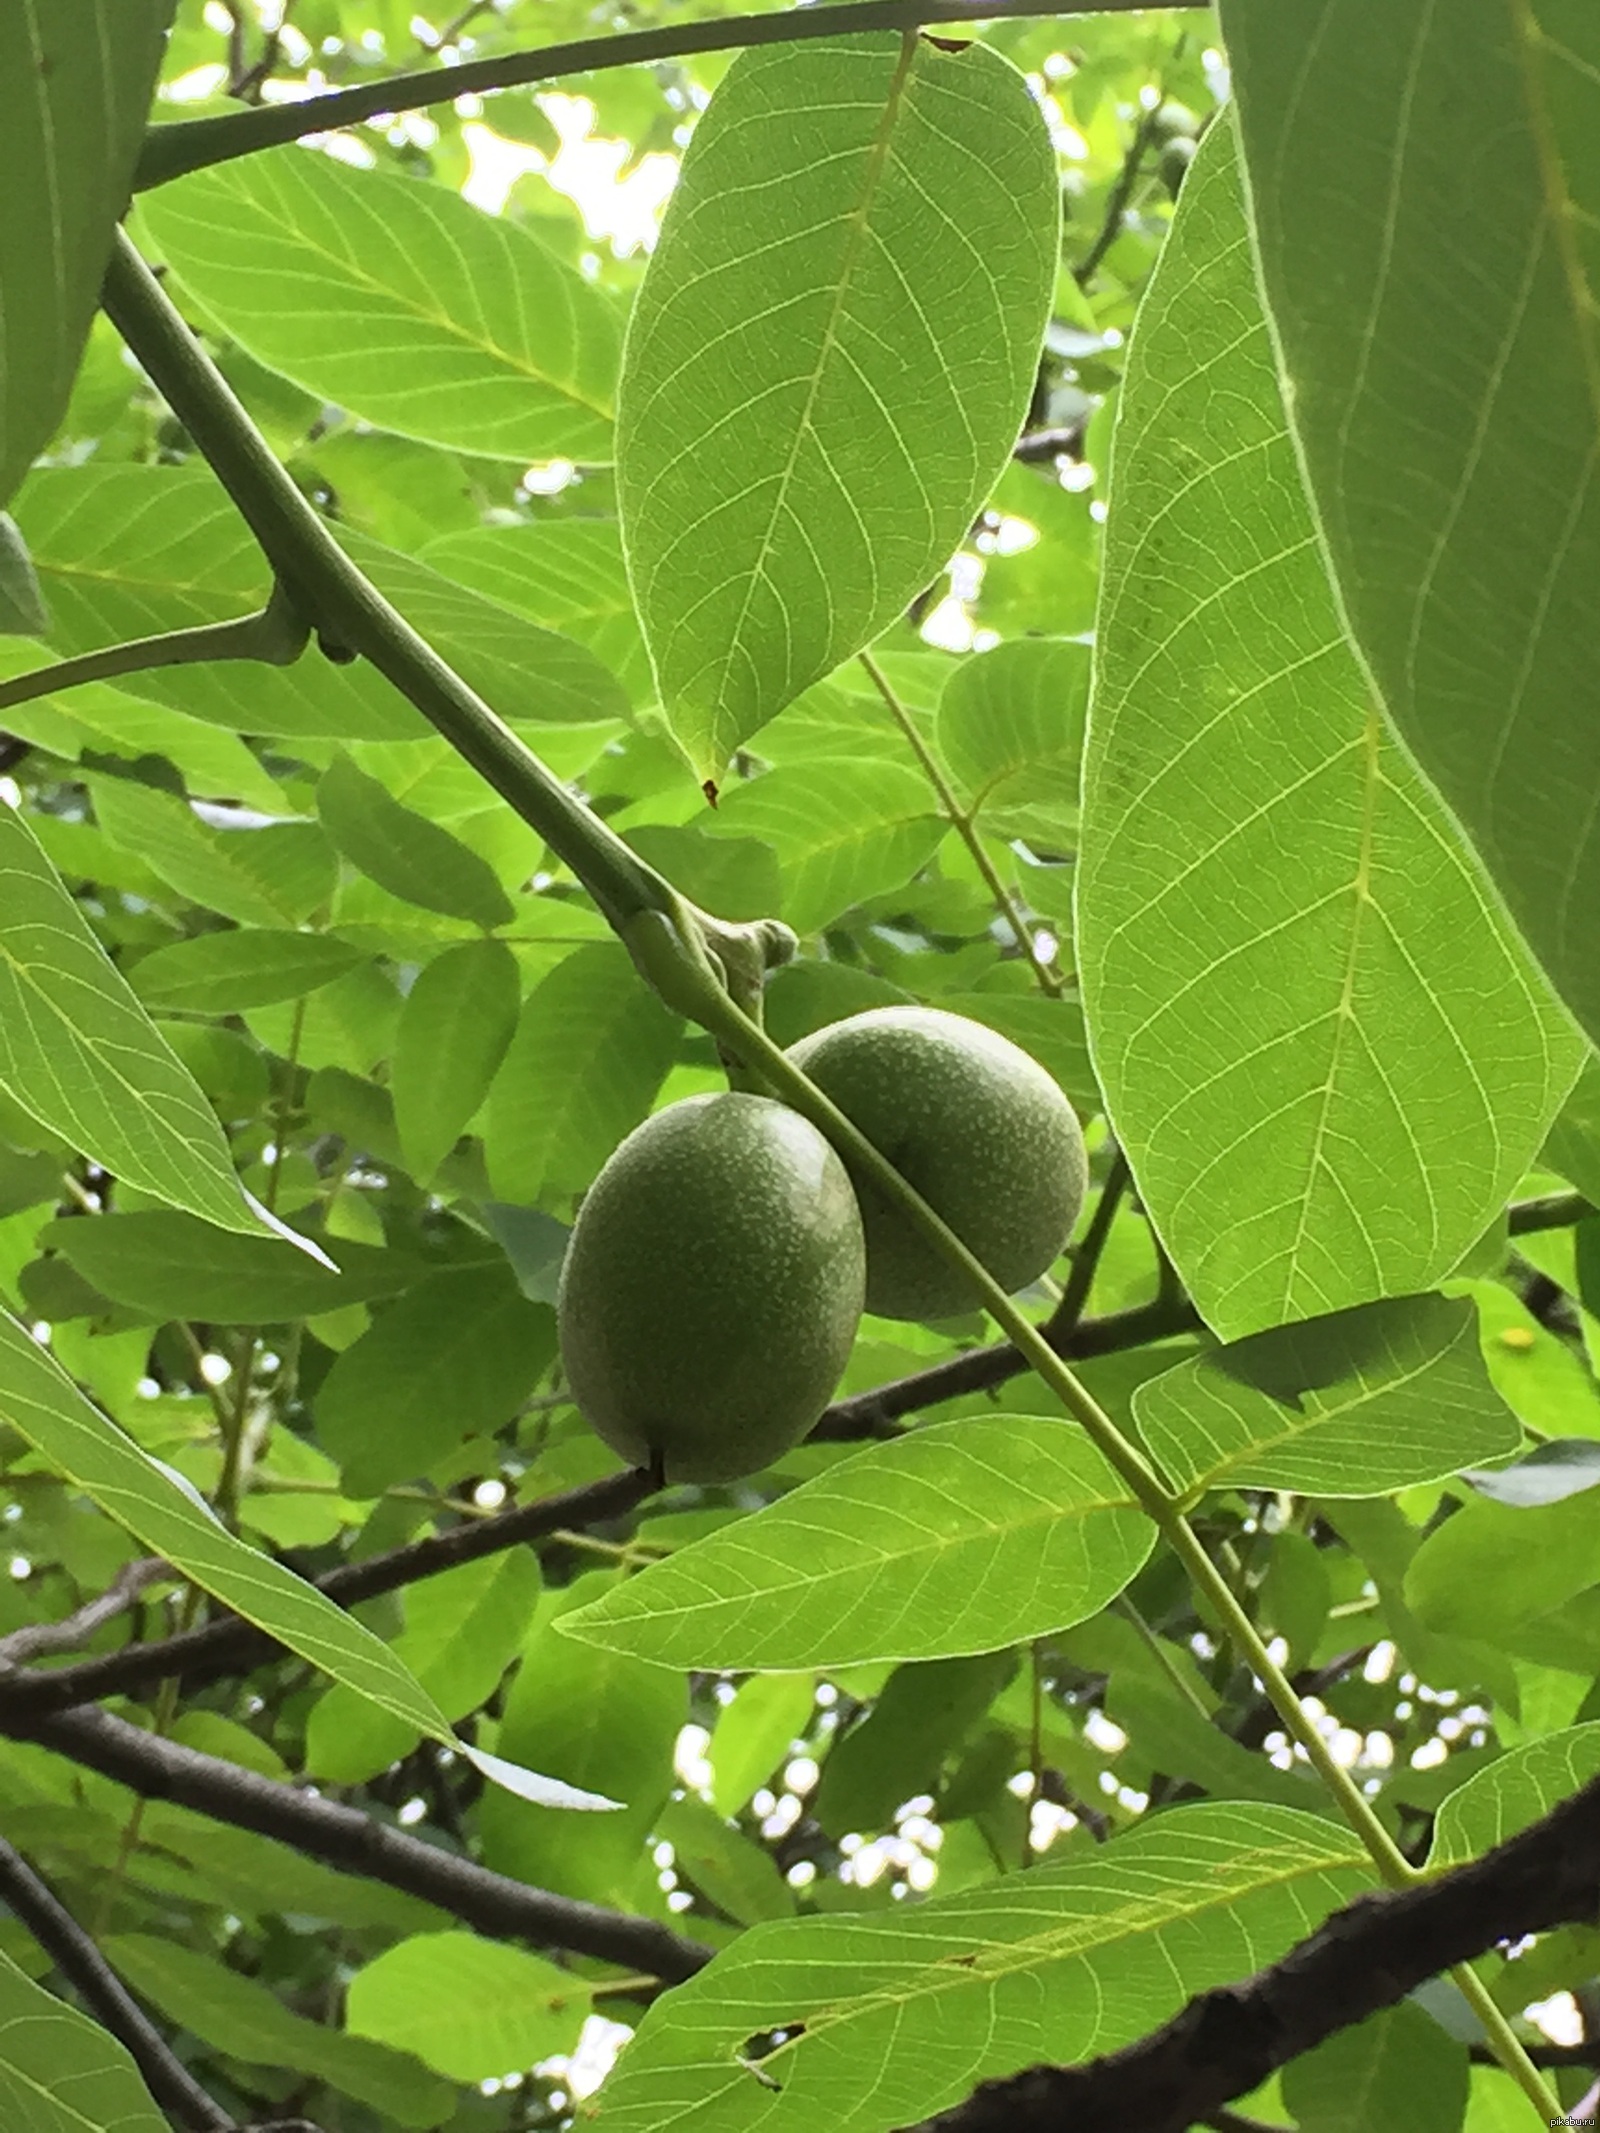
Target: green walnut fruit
<point>980,1130</point>
<point>712,1287</point>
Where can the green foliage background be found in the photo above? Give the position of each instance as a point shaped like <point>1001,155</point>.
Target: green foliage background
<point>1227,743</point>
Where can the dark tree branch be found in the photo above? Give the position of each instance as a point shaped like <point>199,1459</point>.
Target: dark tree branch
<point>83,1966</point>
<point>1042,447</point>
<point>1364,1958</point>
<point>230,1646</point>
<point>73,1631</point>
<point>871,1414</point>
<point>192,144</point>
<point>343,1837</point>
<point>197,1656</point>
<point>1117,199</point>
<point>1553,1210</point>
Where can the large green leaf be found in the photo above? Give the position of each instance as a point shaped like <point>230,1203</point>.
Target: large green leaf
<point>40,1401</point>
<point>60,2072</point>
<point>591,1049</point>
<point>462,1630</point>
<point>399,301</point>
<point>1456,489</point>
<point>1493,1567</point>
<point>132,551</point>
<point>1327,1057</point>
<point>828,363</point>
<point>248,966</point>
<point>472,2009</point>
<point>79,1053</point>
<point>843,831</point>
<point>1397,2072</point>
<point>171,1266</point>
<point>1516,1789</point>
<point>458,1019</point>
<point>1058,1965</point>
<point>1356,1404</point>
<point>404,852</point>
<point>455,1356</point>
<point>75,88</point>
<point>245,2018</point>
<point>963,1537</point>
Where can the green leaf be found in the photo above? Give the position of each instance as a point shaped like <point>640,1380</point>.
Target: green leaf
<point>828,363</point>
<point>75,88</point>
<point>220,869</point>
<point>455,1357</point>
<point>60,2072</point>
<point>471,2009</point>
<point>38,1399</point>
<point>244,2018</point>
<point>843,832</point>
<point>463,1628</point>
<point>1058,1965</point>
<point>964,1537</point>
<point>1480,640</point>
<point>921,1713</point>
<point>22,609</point>
<point>754,1735</point>
<point>531,676</point>
<point>1515,1790</point>
<point>135,551</point>
<point>599,1720</point>
<point>1491,1568</point>
<point>1397,2072</point>
<point>566,574</point>
<point>79,1054</point>
<point>404,852</point>
<point>592,1047</point>
<point>1010,729</point>
<point>727,1867</point>
<point>399,301</point>
<point>171,1266</point>
<point>1273,910</point>
<point>1360,1403</point>
<point>458,1019</point>
<point>223,973</point>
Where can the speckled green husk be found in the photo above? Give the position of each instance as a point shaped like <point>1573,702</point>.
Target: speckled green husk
<point>980,1130</point>
<point>712,1287</point>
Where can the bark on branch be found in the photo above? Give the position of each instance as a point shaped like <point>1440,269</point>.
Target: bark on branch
<point>1364,1958</point>
<point>343,1837</point>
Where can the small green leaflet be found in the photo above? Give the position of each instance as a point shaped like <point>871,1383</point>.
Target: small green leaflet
<point>1396,2072</point>
<point>399,301</point>
<point>1457,495</point>
<point>592,1047</point>
<point>1010,729</point>
<point>60,2072</point>
<point>79,1053</point>
<point>248,966</point>
<point>404,852</point>
<point>245,2018</point>
<point>1326,1055</point>
<point>1059,1964</point>
<point>474,2009</point>
<point>40,1401</point>
<point>75,87</point>
<point>458,1019</point>
<point>1516,1789</point>
<point>1360,1403</point>
<point>22,609</point>
<point>828,362</point>
<point>963,1537</point>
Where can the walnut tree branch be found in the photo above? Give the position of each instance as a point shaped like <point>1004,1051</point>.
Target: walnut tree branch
<point>193,144</point>
<point>80,1962</point>
<point>1364,1958</point>
<point>343,1837</point>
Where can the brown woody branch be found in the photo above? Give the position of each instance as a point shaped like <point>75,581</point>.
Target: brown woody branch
<point>80,1962</point>
<point>193,144</point>
<point>343,1837</point>
<point>1364,1958</point>
<point>230,1646</point>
